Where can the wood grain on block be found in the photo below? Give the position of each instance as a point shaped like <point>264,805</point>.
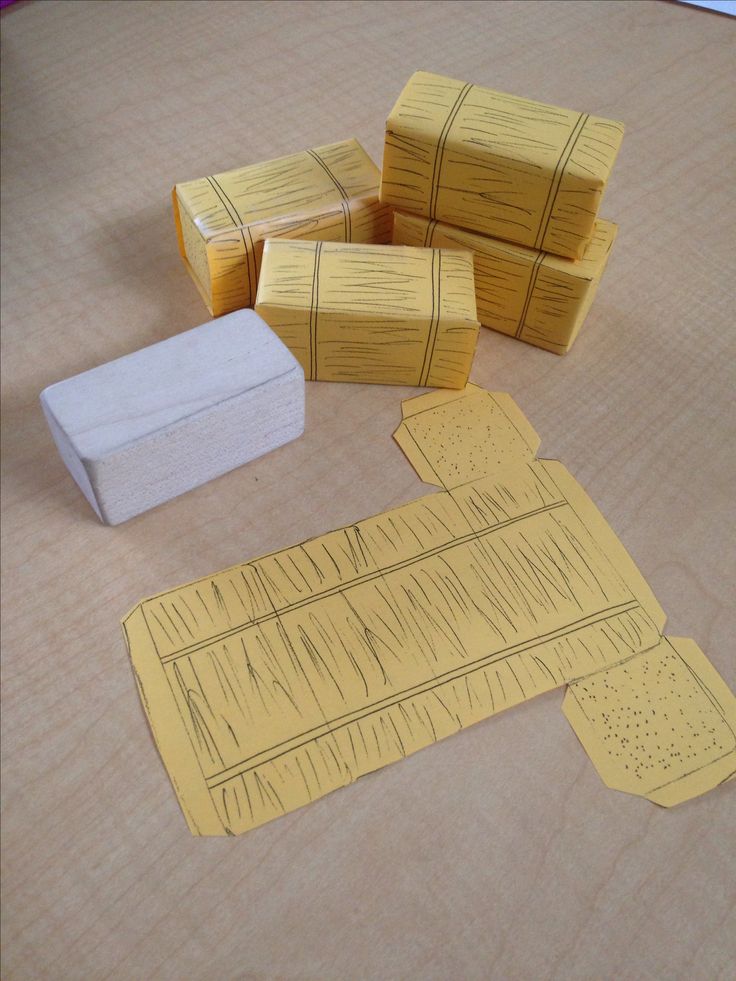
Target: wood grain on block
<point>372,313</point>
<point>328,194</point>
<point>497,164</point>
<point>146,427</point>
<point>540,298</point>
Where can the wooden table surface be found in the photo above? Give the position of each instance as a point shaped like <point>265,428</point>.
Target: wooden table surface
<point>498,853</point>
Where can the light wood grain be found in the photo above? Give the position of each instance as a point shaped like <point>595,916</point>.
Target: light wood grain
<point>498,853</point>
<point>144,428</point>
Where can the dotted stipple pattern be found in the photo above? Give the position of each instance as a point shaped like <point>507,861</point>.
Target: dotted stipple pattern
<point>655,719</point>
<point>468,438</point>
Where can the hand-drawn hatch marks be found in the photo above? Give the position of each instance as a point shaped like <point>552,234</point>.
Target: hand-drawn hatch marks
<point>272,683</point>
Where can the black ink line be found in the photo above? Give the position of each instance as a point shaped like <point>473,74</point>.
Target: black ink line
<point>313,311</point>
<point>530,291</point>
<point>423,687</point>
<point>341,189</point>
<point>557,178</point>
<point>438,160</point>
<point>434,320</point>
<point>473,535</point>
<point>238,222</point>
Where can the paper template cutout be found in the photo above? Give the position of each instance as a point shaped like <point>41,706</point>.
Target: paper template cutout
<point>329,193</point>
<point>272,683</point>
<point>537,297</point>
<point>497,164</point>
<point>371,313</point>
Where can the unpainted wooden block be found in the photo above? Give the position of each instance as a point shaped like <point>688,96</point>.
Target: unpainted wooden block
<point>146,427</point>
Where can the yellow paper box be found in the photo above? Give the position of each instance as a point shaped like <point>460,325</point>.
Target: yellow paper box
<point>497,164</point>
<point>371,313</point>
<point>540,298</point>
<point>329,193</point>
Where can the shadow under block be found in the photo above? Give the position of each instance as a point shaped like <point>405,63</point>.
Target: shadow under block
<point>327,194</point>
<point>497,164</point>
<point>371,313</point>
<point>295,673</point>
<point>140,430</point>
<point>540,298</point>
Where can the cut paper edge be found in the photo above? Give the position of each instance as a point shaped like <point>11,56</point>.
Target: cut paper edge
<point>283,678</point>
<point>599,706</point>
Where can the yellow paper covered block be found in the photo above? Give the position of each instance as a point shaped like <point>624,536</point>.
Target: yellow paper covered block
<point>329,193</point>
<point>540,298</point>
<point>371,313</point>
<point>497,164</point>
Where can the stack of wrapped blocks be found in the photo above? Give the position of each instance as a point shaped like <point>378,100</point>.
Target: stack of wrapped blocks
<point>466,171</point>
<point>485,214</point>
<point>516,182</point>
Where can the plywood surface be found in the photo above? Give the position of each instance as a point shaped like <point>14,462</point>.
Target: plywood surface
<point>497,853</point>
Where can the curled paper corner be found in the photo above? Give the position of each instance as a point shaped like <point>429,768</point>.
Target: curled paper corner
<point>660,725</point>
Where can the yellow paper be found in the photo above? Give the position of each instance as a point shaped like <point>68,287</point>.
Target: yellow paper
<point>661,725</point>
<point>327,194</point>
<point>497,164</point>
<point>540,298</point>
<point>273,682</point>
<point>371,313</point>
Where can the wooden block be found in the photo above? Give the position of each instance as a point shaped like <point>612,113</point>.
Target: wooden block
<point>372,313</point>
<point>496,164</point>
<point>329,193</point>
<point>140,430</point>
<point>540,298</point>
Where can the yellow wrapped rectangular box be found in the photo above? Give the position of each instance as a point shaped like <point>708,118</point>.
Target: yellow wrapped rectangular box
<point>371,313</point>
<point>540,298</point>
<point>497,164</point>
<point>329,193</point>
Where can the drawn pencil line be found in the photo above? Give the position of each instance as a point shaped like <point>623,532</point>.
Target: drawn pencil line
<point>340,188</point>
<point>439,156</point>
<point>238,222</point>
<point>497,657</point>
<point>473,535</point>
<point>554,186</point>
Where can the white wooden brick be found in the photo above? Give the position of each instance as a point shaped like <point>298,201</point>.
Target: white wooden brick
<point>146,427</point>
